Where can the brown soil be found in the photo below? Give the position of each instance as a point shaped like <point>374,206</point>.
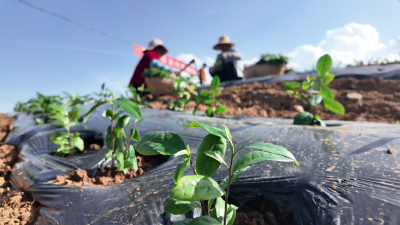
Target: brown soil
<point>109,176</point>
<point>380,100</point>
<point>15,207</point>
<point>262,212</point>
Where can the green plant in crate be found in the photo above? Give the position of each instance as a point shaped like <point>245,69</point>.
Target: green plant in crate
<point>208,98</point>
<point>139,100</point>
<point>117,141</point>
<point>69,142</point>
<point>278,60</point>
<point>188,190</point>
<point>316,92</point>
<point>153,72</point>
<point>183,94</point>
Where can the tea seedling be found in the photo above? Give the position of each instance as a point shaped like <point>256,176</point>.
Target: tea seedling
<point>207,98</point>
<point>201,187</point>
<point>317,92</point>
<point>140,101</point>
<point>40,106</point>
<point>278,60</point>
<point>183,94</point>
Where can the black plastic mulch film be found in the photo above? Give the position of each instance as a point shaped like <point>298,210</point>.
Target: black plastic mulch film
<point>346,175</point>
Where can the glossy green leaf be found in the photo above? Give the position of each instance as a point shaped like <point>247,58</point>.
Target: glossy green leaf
<point>60,109</point>
<point>291,86</point>
<point>160,142</point>
<point>305,85</point>
<point>303,118</point>
<point>108,113</point>
<point>315,100</point>
<point>180,170</point>
<point>120,154</point>
<point>59,138</point>
<point>211,130</point>
<point>323,65</point>
<point>135,134</point>
<point>224,183</point>
<point>215,83</point>
<point>183,222</point>
<point>196,188</point>
<point>109,140</point>
<point>268,147</point>
<point>74,114</point>
<point>257,157</point>
<point>333,106</point>
<point>316,84</point>
<point>176,207</point>
<point>204,220</point>
<point>63,118</point>
<point>206,165</point>
<point>123,121</point>
<point>209,205</point>
<point>326,93</point>
<point>220,109</point>
<point>219,210</point>
<point>328,78</point>
<point>78,142</point>
<point>231,214</point>
<point>38,121</point>
<point>210,112</point>
<point>228,133</point>
<point>91,111</point>
<point>129,107</point>
<point>319,122</point>
<point>217,157</point>
<point>298,95</point>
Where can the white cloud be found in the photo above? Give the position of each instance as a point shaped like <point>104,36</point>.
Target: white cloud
<point>209,11</point>
<point>346,44</point>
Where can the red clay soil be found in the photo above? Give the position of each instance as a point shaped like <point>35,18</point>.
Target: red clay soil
<point>15,208</point>
<point>380,100</point>
<point>109,176</point>
<point>262,212</point>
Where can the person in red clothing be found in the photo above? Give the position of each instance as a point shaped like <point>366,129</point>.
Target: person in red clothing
<point>150,58</point>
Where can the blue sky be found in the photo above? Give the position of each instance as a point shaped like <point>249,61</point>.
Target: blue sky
<point>39,52</point>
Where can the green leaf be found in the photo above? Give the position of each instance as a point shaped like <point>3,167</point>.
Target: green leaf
<point>303,118</point>
<point>183,222</point>
<point>217,157</point>
<point>209,205</point>
<point>59,138</point>
<point>196,188</point>
<point>123,121</point>
<point>176,207</point>
<point>215,83</point>
<point>210,112</point>
<point>230,218</point>
<point>211,130</point>
<point>109,140</point>
<point>305,85</point>
<point>180,170</point>
<point>108,155</point>
<point>228,133</point>
<point>203,220</point>
<point>257,157</point>
<point>297,95</point>
<point>160,142</point>
<point>326,93</point>
<point>333,106</point>
<point>291,85</point>
<point>316,84</point>
<point>108,113</point>
<point>120,155</point>
<point>220,109</point>
<point>323,65</point>
<point>91,111</point>
<point>271,148</point>
<point>311,91</point>
<point>60,109</point>
<point>130,107</point>
<point>74,114</point>
<point>132,158</point>
<point>319,122</point>
<point>219,209</point>
<point>315,100</point>
<point>206,165</point>
<point>182,153</point>
<point>135,134</point>
<point>38,121</point>
<point>327,78</point>
<point>63,118</point>
<point>78,142</point>
<point>195,109</point>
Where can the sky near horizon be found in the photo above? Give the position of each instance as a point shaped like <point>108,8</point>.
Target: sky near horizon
<point>40,52</point>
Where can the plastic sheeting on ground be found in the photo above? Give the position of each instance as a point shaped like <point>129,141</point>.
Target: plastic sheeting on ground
<point>365,72</point>
<point>346,175</point>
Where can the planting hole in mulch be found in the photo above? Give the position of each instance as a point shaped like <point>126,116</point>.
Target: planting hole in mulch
<point>91,144</point>
<point>110,176</point>
<point>262,211</point>
<point>15,207</point>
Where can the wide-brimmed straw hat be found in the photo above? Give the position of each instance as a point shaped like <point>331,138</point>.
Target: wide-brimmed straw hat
<point>223,40</point>
<point>154,44</point>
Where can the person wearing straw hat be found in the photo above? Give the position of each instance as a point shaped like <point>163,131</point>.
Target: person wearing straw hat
<point>228,66</point>
<point>150,59</point>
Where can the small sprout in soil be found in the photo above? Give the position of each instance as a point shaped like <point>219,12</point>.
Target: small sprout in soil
<point>200,187</point>
<point>208,98</point>
<point>183,93</point>
<point>316,92</point>
<point>69,142</point>
<point>136,95</point>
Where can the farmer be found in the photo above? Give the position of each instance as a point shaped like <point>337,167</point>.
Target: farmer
<point>228,66</point>
<point>150,59</point>
<point>202,74</point>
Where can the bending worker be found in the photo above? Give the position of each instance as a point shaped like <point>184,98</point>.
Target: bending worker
<point>150,59</point>
<point>228,65</point>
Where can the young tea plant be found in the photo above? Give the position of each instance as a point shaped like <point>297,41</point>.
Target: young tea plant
<point>117,142</point>
<point>316,92</point>
<point>69,142</point>
<point>188,190</point>
<point>137,98</point>
<point>208,98</point>
<point>40,106</point>
<point>183,94</point>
